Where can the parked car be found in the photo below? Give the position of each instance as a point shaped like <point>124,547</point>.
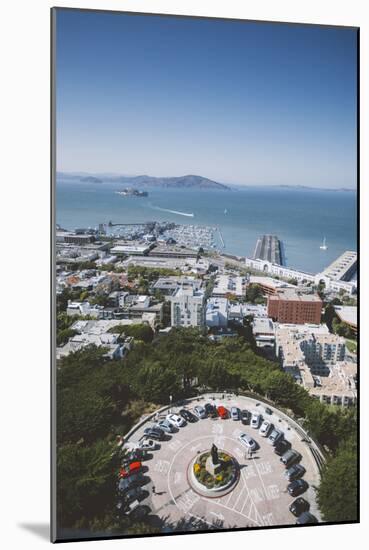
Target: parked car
<point>188,415</point>
<point>235,413</point>
<point>282,447</point>
<point>245,416</point>
<point>210,410</point>
<point>154,432</point>
<point>255,420</point>
<point>265,428</point>
<point>127,482</point>
<point>290,457</point>
<point>222,412</point>
<point>305,518</point>
<point>298,506</point>
<point>297,487</point>
<point>199,411</point>
<point>275,436</point>
<point>268,410</point>
<point>176,420</point>
<point>248,441</point>
<point>294,472</point>
<point>147,445</point>
<point>132,468</point>
<point>134,493</point>
<point>139,511</point>
<point>134,454</point>
<point>166,426</point>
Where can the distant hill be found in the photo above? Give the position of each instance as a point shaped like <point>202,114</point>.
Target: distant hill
<point>91,179</point>
<point>182,182</point>
<point>190,181</point>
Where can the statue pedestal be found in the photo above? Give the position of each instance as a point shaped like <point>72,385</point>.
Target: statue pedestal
<point>213,469</point>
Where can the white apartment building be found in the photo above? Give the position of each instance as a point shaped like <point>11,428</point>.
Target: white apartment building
<point>308,348</point>
<point>217,312</point>
<point>333,276</point>
<point>187,307</point>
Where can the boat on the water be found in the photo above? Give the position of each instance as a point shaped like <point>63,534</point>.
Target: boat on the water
<point>323,246</point>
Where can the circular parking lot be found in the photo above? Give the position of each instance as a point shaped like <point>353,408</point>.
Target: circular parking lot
<point>260,496</point>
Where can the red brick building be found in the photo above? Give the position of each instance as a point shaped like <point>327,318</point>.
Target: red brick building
<point>291,306</point>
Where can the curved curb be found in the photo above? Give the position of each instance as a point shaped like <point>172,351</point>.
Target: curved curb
<point>212,493</point>
<point>319,459</point>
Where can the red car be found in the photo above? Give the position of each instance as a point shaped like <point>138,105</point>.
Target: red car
<point>133,468</point>
<point>222,412</point>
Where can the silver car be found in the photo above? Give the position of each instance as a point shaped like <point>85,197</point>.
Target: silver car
<point>248,441</point>
<point>199,411</point>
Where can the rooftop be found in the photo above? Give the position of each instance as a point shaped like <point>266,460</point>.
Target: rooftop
<point>294,295</point>
<point>341,266</point>
<point>348,314</point>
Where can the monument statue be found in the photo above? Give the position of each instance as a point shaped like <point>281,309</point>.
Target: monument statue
<point>214,454</point>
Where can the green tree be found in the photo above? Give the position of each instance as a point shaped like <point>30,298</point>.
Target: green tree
<point>337,492</point>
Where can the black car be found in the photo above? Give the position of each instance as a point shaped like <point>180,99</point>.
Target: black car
<point>155,433</point>
<point>245,416</point>
<point>135,454</point>
<point>188,415</point>
<point>297,487</point>
<point>305,518</point>
<point>140,512</point>
<point>268,410</point>
<point>282,447</point>
<point>128,482</point>
<point>294,472</point>
<point>210,410</point>
<point>298,506</point>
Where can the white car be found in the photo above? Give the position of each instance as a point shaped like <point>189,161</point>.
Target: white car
<point>175,420</point>
<point>248,442</point>
<point>255,420</point>
<point>199,411</point>
<point>147,445</point>
<point>265,428</point>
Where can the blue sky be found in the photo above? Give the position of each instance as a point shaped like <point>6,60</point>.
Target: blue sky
<point>237,102</point>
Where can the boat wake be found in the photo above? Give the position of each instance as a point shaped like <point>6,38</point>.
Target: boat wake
<point>189,215</point>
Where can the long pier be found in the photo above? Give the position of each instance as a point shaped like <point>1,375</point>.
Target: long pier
<point>268,247</point>
<point>221,237</point>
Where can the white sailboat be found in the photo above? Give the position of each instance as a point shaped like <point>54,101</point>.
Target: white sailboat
<point>323,246</point>
<point>225,211</point>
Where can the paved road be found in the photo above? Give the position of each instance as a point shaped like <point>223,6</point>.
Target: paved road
<point>259,498</point>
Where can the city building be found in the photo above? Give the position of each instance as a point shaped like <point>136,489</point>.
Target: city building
<point>73,238</point>
<point>229,285</point>
<point>269,285</point>
<point>237,311</point>
<point>340,387</point>
<point>95,333</point>
<point>187,307</point>
<point>168,285</point>
<point>83,308</point>
<point>263,332</point>
<point>343,268</point>
<point>184,265</point>
<point>292,306</point>
<point>173,251</point>
<point>337,277</point>
<point>348,315</point>
<point>217,312</point>
<point>308,350</point>
<point>129,249</point>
